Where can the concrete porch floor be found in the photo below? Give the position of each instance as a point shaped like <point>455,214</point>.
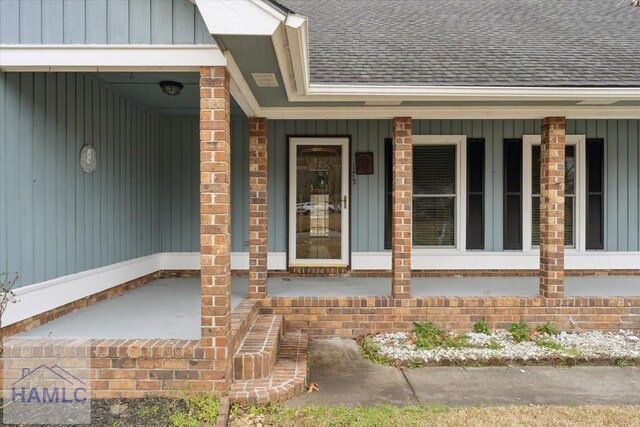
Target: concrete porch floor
<point>170,308</point>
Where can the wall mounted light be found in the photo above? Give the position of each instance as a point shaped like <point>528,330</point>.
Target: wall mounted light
<point>170,87</point>
<point>88,159</point>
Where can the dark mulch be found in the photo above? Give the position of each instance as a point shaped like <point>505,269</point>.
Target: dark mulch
<point>147,412</point>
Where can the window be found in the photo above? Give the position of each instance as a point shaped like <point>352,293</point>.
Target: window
<point>475,197</point>
<point>439,183</point>
<point>569,196</point>
<point>574,192</point>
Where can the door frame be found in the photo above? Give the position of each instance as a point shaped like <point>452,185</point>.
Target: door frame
<point>293,142</point>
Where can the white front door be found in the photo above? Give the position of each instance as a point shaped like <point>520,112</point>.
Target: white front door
<point>319,202</point>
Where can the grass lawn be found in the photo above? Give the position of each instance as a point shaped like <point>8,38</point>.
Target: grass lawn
<point>201,410</point>
<point>438,416</point>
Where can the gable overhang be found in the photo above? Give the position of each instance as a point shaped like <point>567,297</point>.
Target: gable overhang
<point>305,100</point>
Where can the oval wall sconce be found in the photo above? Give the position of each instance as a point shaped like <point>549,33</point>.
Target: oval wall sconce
<point>88,159</point>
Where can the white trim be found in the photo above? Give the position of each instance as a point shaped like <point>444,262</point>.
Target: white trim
<point>460,142</point>
<point>448,112</point>
<point>579,141</point>
<point>44,296</point>
<point>275,260</point>
<point>475,260</point>
<point>329,92</point>
<point>115,57</point>
<point>240,89</point>
<point>344,258</point>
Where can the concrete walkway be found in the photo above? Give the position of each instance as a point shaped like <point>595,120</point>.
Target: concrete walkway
<point>344,377</point>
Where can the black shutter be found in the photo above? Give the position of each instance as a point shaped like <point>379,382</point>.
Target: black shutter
<point>512,238</point>
<point>388,190</point>
<point>595,194</point>
<point>475,193</point>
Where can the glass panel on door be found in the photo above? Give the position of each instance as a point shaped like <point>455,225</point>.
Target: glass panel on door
<point>319,202</point>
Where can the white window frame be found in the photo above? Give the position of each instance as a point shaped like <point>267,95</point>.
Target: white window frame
<point>580,226</point>
<point>460,141</point>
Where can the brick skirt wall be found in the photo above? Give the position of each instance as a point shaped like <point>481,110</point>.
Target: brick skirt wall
<point>350,317</point>
<point>128,368</point>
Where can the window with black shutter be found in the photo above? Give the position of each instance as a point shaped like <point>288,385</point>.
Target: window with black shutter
<point>512,233</point>
<point>475,193</point>
<point>595,194</point>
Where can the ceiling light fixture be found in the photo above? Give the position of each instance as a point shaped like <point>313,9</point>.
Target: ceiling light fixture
<point>170,87</point>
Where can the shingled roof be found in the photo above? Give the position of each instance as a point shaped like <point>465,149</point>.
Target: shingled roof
<point>569,43</point>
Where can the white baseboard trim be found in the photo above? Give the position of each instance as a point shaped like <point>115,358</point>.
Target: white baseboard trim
<point>430,260</point>
<point>41,297</point>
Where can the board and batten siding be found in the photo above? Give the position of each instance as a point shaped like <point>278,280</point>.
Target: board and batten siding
<point>622,176</point>
<point>180,203</point>
<point>622,157</point>
<point>56,220</point>
<point>101,22</point>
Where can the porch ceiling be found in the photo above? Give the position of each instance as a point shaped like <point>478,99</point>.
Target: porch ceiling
<point>143,88</point>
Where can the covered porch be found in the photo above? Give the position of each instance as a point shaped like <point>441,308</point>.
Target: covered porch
<point>143,312</point>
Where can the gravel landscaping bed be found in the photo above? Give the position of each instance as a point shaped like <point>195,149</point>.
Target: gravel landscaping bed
<point>500,348</point>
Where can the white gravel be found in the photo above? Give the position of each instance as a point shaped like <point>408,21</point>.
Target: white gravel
<point>584,346</point>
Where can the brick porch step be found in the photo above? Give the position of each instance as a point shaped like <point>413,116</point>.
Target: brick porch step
<point>258,353</point>
<point>288,378</point>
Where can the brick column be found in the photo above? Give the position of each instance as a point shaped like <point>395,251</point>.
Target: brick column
<point>552,161</point>
<point>215,220</point>
<point>402,208</point>
<point>257,208</point>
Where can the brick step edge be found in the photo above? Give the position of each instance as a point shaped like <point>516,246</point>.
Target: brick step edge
<point>288,379</point>
<point>259,351</point>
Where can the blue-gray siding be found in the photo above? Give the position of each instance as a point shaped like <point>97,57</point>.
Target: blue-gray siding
<point>622,141</point>
<point>179,205</point>
<point>56,220</point>
<point>622,223</point>
<point>101,22</point>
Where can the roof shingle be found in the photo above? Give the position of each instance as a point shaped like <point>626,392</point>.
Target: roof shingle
<point>565,43</point>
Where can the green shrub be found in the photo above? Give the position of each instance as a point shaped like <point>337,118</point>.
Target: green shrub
<point>520,332</point>
<point>481,328</point>
<point>456,341</point>
<point>548,329</point>
<point>550,344</point>
<point>201,409</point>
<point>493,344</point>
<point>428,336</point>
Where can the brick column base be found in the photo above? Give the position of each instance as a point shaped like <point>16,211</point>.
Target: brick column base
<point>258,208</point>
<point>402,208</point>
<point>552,177</point>
<point>215,221</point>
